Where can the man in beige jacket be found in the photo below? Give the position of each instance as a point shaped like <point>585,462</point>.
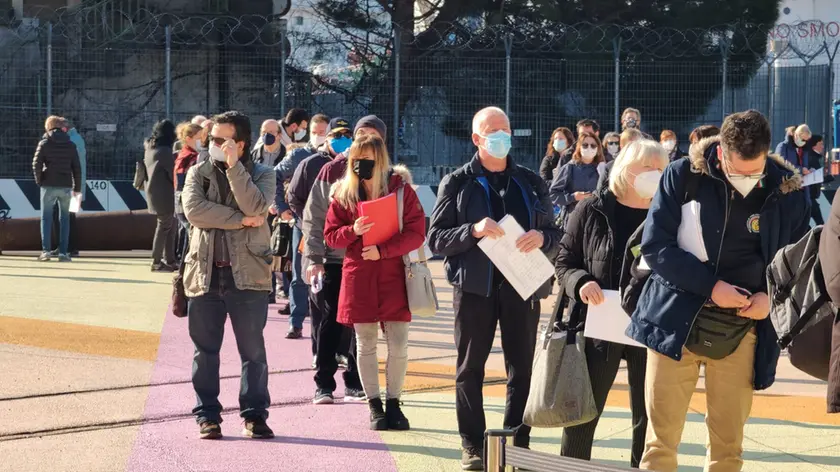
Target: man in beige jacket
<point>228,270</point>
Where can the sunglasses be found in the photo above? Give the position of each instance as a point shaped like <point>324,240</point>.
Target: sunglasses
<point>588,146</point>
<point>612,143</point>
<point>343,134</point>
<point>219,141</point>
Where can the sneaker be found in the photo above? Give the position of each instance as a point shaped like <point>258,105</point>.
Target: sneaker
<point>323,397</point>
<point>54,253</point>
<point>45,257</point>
<point>210,430</point>
<point>378,421</point>
<point>64,258</point>
<point>342,361</point>
<point>294,333</point>
<point>354,395</point>
<point>255,428</point>
<point>163,268</point>
<point>396,419</point>
<point>472,458</point>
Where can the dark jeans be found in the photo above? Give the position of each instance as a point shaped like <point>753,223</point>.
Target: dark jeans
<point>603,359</point>
<point>182,244</point>
<point>50,198</point>
<point>476,317</point>
<point>298,288</point>
<point>816,214</point>
<point>248,313</point>
<point>330,333</point>
<point>163,246</point>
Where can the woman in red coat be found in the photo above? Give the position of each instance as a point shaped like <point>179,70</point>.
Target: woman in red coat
<point>373,291</point>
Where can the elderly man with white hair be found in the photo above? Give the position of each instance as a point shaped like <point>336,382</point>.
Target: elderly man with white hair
<point>470,202</point>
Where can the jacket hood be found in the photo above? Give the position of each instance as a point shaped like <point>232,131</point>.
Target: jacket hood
<point>402,173</point>
<point>700,153</point>
<point>58,135</point>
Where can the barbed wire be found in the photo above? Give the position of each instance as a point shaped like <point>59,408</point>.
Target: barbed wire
<point>103,26</point>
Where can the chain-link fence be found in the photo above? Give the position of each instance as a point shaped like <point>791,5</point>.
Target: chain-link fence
<point>114,75</point>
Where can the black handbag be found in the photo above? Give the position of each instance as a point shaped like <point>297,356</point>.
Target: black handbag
<point>281,239</point>
<point>717,332</point>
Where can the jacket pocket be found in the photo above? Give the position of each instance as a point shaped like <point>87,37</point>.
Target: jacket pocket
<point>668,307</point>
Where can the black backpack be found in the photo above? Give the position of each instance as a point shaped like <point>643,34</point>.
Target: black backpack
<point>633,277</point>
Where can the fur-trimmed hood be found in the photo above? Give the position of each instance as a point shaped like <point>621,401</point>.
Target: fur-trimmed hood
<point>790,179</point>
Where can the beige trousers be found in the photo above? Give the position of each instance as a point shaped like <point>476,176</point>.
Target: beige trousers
<point>729,389</point>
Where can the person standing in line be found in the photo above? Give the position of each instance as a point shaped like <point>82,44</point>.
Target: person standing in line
<point>470,202</point>
<point>715,313</point>
<point>629,135</point>
<point>226,200</point>
<point>298,307</point>
<point>73,245</point>
<point>57,171</point>
<point>561,140</point>
<point>203,151</point>
<point>798,150</point>
<point>612,146</point>
<point>582,127</point>
<point>269,148</point>
<point>160,197</point>
<point>668,140</point>
<point>702,132</point>
<point>578,180</point>
<point>631,118</point>
<point>324,263</point>
<point>590,261</point>
<point>189,134</point>
<point>196,120</point>
<point>292,129</point>
<point>373,290</point>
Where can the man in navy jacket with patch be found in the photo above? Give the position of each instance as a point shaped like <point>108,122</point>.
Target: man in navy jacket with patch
<point>751,205</point>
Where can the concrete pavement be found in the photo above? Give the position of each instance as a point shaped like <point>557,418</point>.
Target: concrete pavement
<point>94,376</point>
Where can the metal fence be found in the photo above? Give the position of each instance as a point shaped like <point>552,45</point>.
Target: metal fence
<point>114,75</point>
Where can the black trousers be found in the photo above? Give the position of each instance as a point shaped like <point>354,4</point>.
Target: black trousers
<point>476,317</point>
<point>330,333</point>
<point>816,215</point>
<point>603,359</point>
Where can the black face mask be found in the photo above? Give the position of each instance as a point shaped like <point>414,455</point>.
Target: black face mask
<point>363,168</point>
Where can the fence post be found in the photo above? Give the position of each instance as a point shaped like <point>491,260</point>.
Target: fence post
<point>395,140</point>
<point>830,144</point>
<point>724,51</point>
<point>49,67</point>
<point>495,453</point>
<point>168,84</point>
<point>282,90</point>
<point>617,80</point>
<point>508,49</point>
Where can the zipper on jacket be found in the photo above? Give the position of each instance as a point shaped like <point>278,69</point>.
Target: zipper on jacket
<point>612,255</point>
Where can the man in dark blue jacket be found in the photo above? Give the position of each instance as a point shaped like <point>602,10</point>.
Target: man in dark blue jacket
<point>470,202</point>
<point>715,313</point>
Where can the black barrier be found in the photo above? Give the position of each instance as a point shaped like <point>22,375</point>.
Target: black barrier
<point>499,455</point>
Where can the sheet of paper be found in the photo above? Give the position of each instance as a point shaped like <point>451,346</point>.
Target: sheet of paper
<point>814,178</point>
<point>76,203</point>
<point>690,232</point>
<point>608,321</point>
<point>525,272</point>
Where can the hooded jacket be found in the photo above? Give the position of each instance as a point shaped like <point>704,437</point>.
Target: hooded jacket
<point>315,249</point>
<point>375,291</point>
<point>56,162</point>
<point>680,284</point>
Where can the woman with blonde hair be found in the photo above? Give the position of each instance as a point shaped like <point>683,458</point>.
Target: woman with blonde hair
<point>373,290</point>
<point>590,261</point>
<point>578,179</point>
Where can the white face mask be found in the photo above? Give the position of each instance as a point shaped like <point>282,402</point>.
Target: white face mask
<point>798,142</point>
<point>216,153</point>
<point>647,183</point>
<point>317,141</point>
<point>588,154</point>
<point>559,145</point>
<point>744,185</point>
<point>669,145</point>
<point>197,146</point>
<point>300,134</point>
<point>613,149</point>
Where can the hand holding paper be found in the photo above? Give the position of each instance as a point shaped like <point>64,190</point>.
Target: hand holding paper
<point>608,321</point>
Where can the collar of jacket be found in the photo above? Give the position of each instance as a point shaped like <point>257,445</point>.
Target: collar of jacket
<point>780,174</point>
<point>205,168</point>
<point>475,169</point>
<point>605,202</point>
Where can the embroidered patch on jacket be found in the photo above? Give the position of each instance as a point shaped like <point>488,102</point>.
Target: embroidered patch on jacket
<point>752,224</point>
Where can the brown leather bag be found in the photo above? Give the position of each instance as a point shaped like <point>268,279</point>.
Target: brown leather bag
<point>179,296</point>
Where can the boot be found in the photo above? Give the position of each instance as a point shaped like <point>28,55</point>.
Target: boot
<point>396,419</point>
<point>378,421</point>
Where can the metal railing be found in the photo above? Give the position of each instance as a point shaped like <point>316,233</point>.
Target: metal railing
<point>500,456</point>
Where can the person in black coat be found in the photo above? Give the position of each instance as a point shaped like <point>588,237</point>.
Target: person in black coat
<point>160,194</point>
<point>561,141</point>
<point>590,261</point>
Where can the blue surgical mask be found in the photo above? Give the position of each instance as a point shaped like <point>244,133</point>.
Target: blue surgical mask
<point>497,144</point>
<point>559,145</point>
<point>340,144</point>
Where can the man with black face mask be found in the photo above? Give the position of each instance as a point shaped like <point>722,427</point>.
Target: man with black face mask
<point>269,150</point>
<point>226,200</point>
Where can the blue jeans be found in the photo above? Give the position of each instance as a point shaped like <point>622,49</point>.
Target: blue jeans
<point>49,197</point>
<point>248,314</point>
<point>299,296</point>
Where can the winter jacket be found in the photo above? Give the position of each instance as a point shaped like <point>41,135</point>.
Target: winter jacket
<point>251,192</point>
<point>81,149</point>
<point>374,291</point>
<point>187,158</point>
<point>680,284</point>
<point>571,178</point>
<point>810,159</point>
<point>56,162</point>
<point>160,168</point>
<point>829,251</point>
<point>315,250</point>
<point>464,200</point>
<point>258,155</point>
<point>549,163</point>
<point>285,170</point>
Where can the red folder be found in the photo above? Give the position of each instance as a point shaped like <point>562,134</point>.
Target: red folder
<point>383,213</point>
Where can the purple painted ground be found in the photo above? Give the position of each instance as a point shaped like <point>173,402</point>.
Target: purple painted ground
<point>309,437</point>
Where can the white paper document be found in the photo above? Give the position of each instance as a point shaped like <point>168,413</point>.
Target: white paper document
<point>608,321</point>
<point>690,232</point>
<point>76,203</point>
<point>525,272</point>
<point>814,178</point>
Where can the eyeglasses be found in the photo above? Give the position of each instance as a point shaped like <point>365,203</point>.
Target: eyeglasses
<point>588,146</point>
<point>737,177</point>
<point>219,141</point>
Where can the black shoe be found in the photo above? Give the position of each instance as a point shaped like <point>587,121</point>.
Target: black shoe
<point>286,310</point>
<point>256,428</point>
<point>294,333</point>
<point>378,421</point>
<point>323,397</point>
<point>210,430</point>
<point>472,458</point>
<point>163,268</point>
<point>396,419</point>
<point>354,395</point>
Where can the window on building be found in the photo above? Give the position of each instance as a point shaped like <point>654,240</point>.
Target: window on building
<point>298,21</point>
